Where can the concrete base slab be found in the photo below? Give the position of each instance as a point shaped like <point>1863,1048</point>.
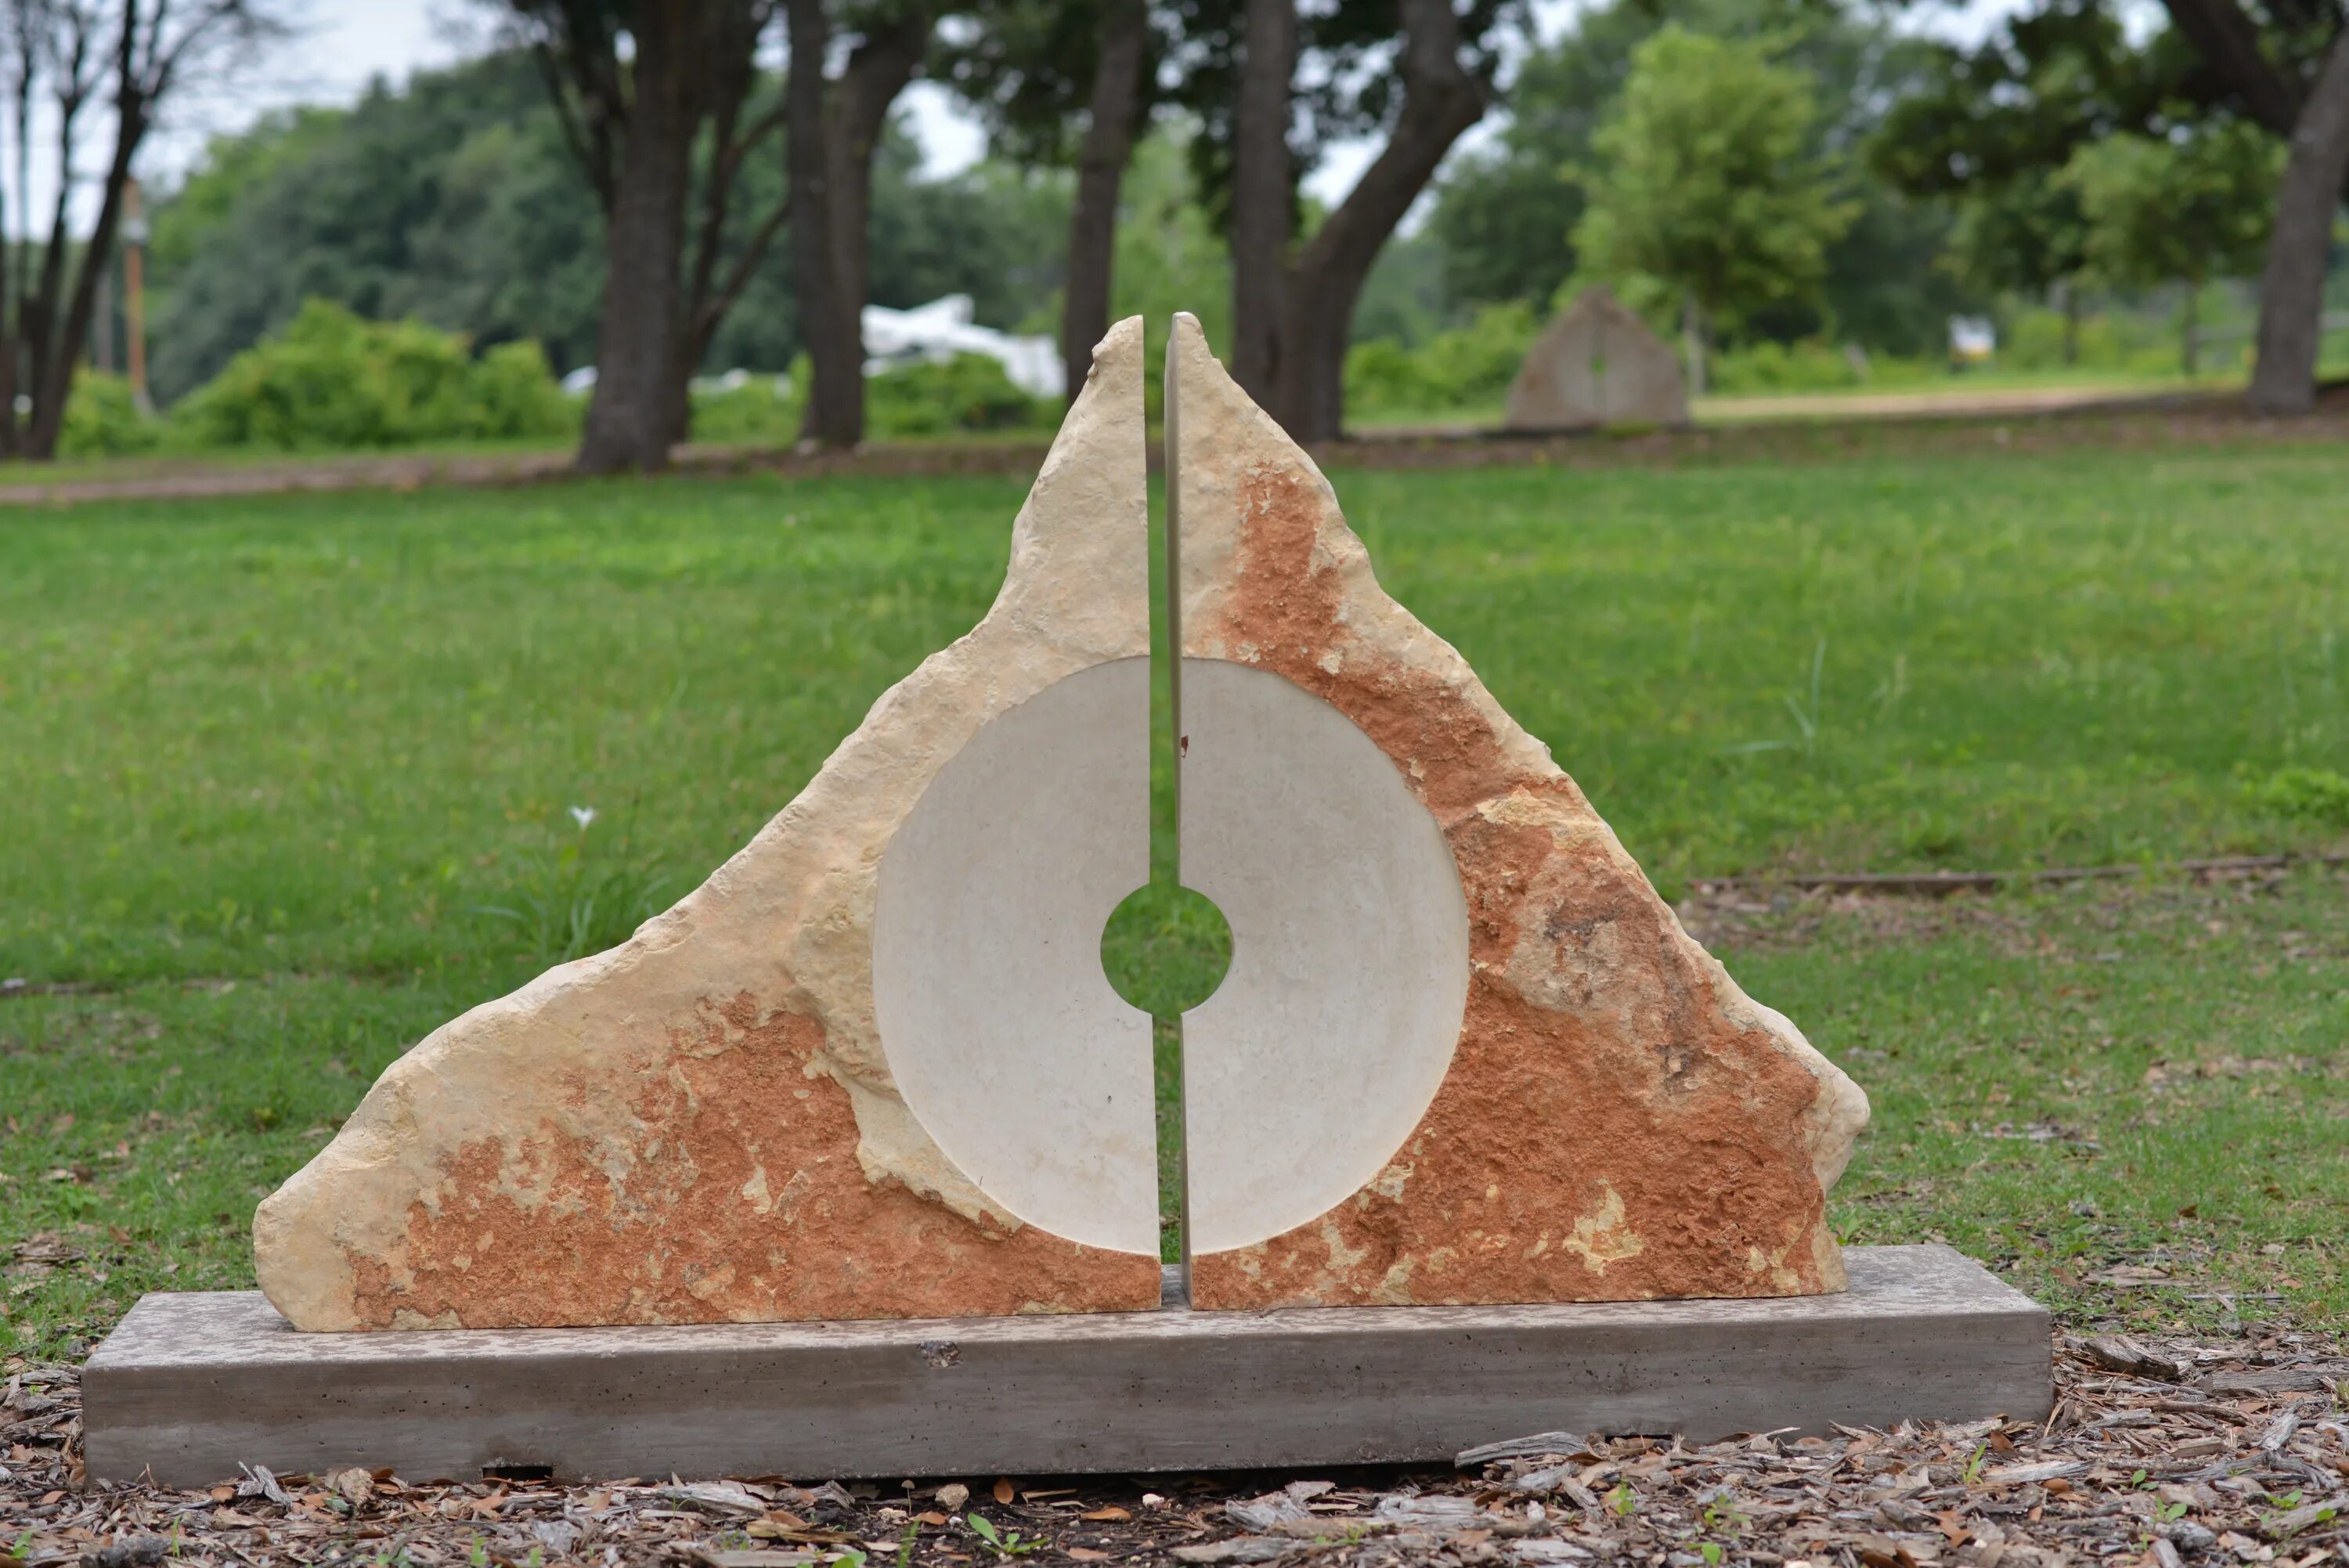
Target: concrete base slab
<point>190,1386</point>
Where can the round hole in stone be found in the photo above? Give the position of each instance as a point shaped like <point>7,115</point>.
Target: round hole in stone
<point>1166,949</point>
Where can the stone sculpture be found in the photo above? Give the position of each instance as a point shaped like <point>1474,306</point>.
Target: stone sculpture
<point>1597,365</point>
<point>872,1068</point>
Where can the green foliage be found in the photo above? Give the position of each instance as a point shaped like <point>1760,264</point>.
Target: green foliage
<point>970,392</point>
<point>331,381</point>
<point>1505,215</point>
<point>585,894</point>
<point>2318,795</point>
<point>1002,1542</point>
<point>1168,255</point>
<point>103,420</point>
<point>451,199</point>
<point>1706,180</point>
<point>1464,368</point>
<point>757,410</point>
<point>2188,207</point>
<point>1765,367</point>
<point>2026,235</point>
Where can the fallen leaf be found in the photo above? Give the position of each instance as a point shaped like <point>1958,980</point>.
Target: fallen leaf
<point>1112,1514</point>
<point>1086,1555</point>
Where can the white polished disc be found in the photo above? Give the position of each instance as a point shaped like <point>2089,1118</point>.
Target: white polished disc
<point>1305,1071</point>
<point>999,1027</point>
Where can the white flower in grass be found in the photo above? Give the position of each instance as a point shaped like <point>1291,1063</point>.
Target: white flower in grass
<point>583,815</point>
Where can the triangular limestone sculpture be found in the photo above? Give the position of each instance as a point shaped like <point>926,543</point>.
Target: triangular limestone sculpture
<point>872,1067</point>
<point>1464,1053</point>
<point>1597,365</point>
<point>705,1124</point>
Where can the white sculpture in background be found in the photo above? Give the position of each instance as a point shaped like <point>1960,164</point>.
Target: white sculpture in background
<point>936,332</point>
<point>929,334</point>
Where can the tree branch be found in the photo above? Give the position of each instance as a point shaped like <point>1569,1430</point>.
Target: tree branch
<point>2228,39</point>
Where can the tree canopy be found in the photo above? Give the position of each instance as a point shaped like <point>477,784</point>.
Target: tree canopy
<point>1706,183</point>
<point>451,199</point>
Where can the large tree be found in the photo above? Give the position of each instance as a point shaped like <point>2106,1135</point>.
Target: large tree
<point>641,86</point>
<point>1060,82</point>
<point>2063,74</point>
<point>78,73</point>
<point>1420,71</point>
<point>1706,183</point>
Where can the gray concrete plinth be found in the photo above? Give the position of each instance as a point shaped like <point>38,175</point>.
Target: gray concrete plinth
<point>190,1386</point>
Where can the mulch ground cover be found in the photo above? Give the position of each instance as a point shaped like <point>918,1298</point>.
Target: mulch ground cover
<point>2161,1452</point>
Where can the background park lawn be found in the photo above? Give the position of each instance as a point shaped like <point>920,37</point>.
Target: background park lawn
<point>286,782</point>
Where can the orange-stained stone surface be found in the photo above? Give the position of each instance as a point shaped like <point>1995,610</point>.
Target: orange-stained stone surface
<point>741,1200</point>
<point>1618,1121</point>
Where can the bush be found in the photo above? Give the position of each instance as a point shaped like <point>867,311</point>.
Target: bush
<point>102,420</point>
<point>968,392</point>
<point>758,411</point>
<point>515,396</point>
<point>1810,366</point>
<point>2316,795</point>
<point>331,380</point>
<point>1466,367</point>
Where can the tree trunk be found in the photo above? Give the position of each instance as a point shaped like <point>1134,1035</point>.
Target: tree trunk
<point>1441,101</point>
<point>2190,347</point>
<point>54,385</point>
<point>1693,345</point>
<point>835,129</point>
<point>1114,111</point>
<point>633,413</point>
<point>2071,322</point>
<point>2291,287</point>
<point>834,411</point>
<point>1263,194</point>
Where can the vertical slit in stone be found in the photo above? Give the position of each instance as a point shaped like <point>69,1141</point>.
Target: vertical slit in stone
<point>1168,752</point>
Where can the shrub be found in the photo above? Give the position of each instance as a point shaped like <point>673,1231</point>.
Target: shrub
<point>332,381</point>
<point>758,411</point>
<point>1461,368</point>
<point>1810,366</point>
<point>102,419</point>
<point>2312,794</point>
<point>515,396</point>
<point>968,392</point>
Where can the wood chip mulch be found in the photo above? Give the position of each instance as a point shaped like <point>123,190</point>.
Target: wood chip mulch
<point>2160,1454</point>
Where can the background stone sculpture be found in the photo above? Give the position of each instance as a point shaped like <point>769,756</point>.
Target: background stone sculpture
<point>1614,1119</point>
<point>1597,365</point>
<point>702,1124</point>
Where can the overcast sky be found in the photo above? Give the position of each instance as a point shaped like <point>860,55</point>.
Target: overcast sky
<point>347,43</point>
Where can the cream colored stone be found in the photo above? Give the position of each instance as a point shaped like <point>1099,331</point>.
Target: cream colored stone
<point>1614,1118</point>
<point>1597,365</point>
<point>704,1123</point>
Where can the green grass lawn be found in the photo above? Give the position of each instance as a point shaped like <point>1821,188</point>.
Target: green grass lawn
<point>288,781</point>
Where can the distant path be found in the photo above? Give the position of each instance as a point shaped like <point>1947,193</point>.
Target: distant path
<point>1775,430</point>
<point>1949,401</point>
